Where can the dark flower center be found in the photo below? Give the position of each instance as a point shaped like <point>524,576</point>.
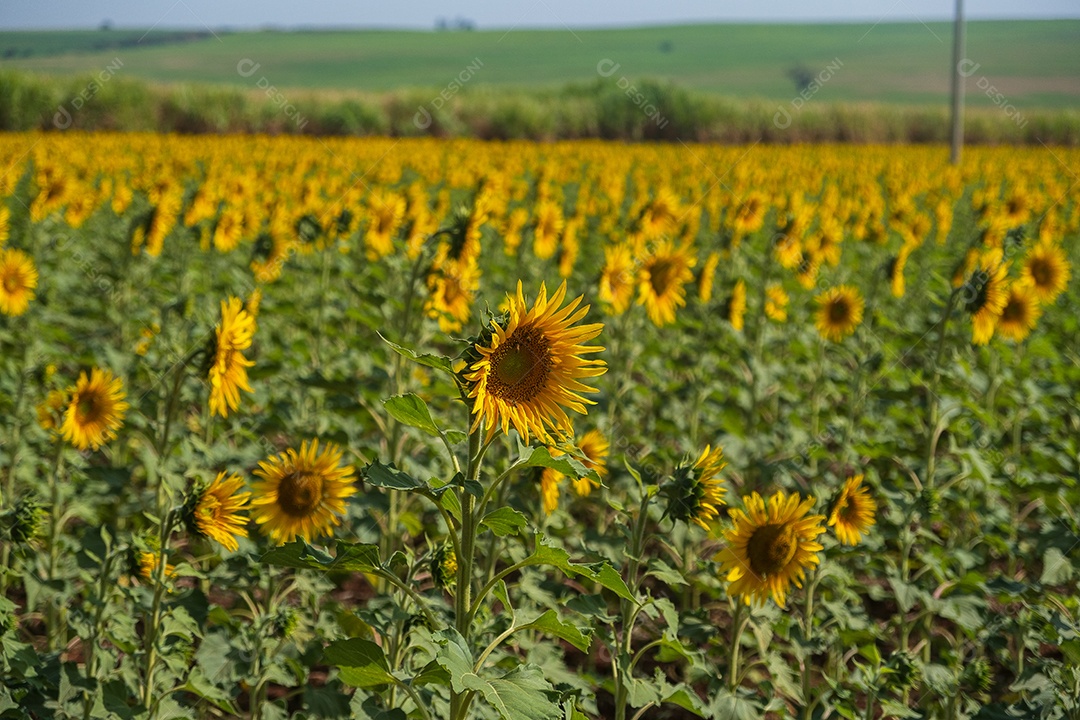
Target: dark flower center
<point>520,366</point>
<point>300,492</point>
<point>771,548</point>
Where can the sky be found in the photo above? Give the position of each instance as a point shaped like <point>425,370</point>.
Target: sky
<point>423,14</point>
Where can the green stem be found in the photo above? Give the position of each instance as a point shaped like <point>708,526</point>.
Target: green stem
<point>153,626</point>
<point>96,628</point>
<point>55,522</point>
<point>8,492</point>
<point>738,625</point>
<point>628,610</point>
<point>808,632</point>
<point>459,702</point>
<point>935,378</point>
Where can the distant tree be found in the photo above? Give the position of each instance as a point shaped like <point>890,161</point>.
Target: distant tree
<point>441,24</point>
<point>462,23</point>
<point>667,46</point>
<point>802,76</point>
<point>106,24</point>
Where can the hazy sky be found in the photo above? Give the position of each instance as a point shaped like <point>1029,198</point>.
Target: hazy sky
<point>493,13</point>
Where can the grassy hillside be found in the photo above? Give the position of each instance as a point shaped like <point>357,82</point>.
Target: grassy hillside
<point>1032,63</point>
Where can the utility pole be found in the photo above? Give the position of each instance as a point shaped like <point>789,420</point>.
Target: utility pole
<point>957,85</point>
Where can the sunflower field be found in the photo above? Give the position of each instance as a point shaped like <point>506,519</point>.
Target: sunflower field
<point>443,429</point>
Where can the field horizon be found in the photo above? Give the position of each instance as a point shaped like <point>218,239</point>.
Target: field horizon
<point>1029,64</point>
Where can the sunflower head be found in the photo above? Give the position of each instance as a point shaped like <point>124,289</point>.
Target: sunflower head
<point>227,366</point>
<point>285,621</point>
<point>95,411</point>
<point>776,302</point>
<point>1020,313</point>
<point>444,566</point>
<point>528,369</point>
<point>1046,270</point>
<point>770,546</point>
<point>594,449</point>
<point>852,511</point>
<point>984,295</point>
<point>302,493</point>
<point>215,510</point>
<point>695,491</point>
<point>839,312</point>
<point>18,278</point>
<point>24,522</point>
<point>661,281</point>
<point>50,412</point>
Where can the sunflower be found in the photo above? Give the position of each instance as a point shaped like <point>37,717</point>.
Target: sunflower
<point>50,412</point>
<point>736,306</point>
<point>840,310</point>
<point>985,294</point>
<point>776,302</point>
<point>852,511</point>
<point>228,367</point>
<point>528,367</point>
<point>549,488</point>
<point>95,411</point>
<point>302,493</point>
<point>1020,313</point>
<point>216,510</point>
<point>661,279</point>
<point>661,214</point>
<point>1047,270</point>
<point>451,292</point>
<point>147,565</point>
<point>547,229</point>
<point>770,546</point>
<point>695,492</point>
<point>617,279</point>
<point>18,278</point>
<point>708,274</point>
<point>594,447</point>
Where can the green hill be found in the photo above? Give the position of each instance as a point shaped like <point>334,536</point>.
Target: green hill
<point>1030,63</point>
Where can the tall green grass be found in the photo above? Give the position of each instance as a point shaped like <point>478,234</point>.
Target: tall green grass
<point>606,108</point>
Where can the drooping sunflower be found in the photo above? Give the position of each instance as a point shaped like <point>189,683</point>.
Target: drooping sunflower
<point>776,302</point>
<point>853,511</point>
<point>695,492</point>
<point>95,411</point>
<point>707,276</point>
<point>661,281</point>
<point>1047,270</point>
<point>549,489</point>
<point>840,310</point>
<point>594,447</point>
<point>736,306</point>
<point>18,278</point>
<point>528,367</point>
<point>302,493</point>
<point>228,366</point>
<point>770,546</point>
<point>985,295</point>
<point>451,292</point>
<point>617,279</point>
<point>216,510</point>
<point>547,229</point>
<point>1021,312</point>
<point>50,412</point>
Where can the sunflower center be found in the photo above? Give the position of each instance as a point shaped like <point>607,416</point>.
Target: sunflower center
<point>771,548</point>
<point>299,493</point>
<point>11,283</point>
<point>839,311</point>
<point>661,275</point>
<point>521,366</point>
<point>1014,312</point>
<point>1042,273</point>
<point>87,409</point>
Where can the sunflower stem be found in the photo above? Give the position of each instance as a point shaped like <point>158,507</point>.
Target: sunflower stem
<point>935,378</point>
<point>150,642</point>
<point>459,704</point>
<point>7,495</point>
<point>628,613</point>
<point>808,633</point>
<point>55,522</point>
<point>738,626</point>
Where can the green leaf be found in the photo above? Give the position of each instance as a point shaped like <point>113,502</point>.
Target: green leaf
<point>439,362</point>
<point>505,521</point>
<point>411,410</point>
<point>598,572</point>
<point>665,573</point>
<point>1057,568</point>
<point>565,464</point>
<point>520,694</point>
<point>550,623</point>
<point>687,699</point>
<point>388,476</point>
<point>432,674</point>
<point>350,557</point>
<point>200,686</point>
<point>362,662</point>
